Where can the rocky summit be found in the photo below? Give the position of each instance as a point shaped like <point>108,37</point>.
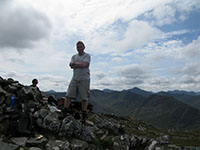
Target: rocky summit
<point>29,122</point>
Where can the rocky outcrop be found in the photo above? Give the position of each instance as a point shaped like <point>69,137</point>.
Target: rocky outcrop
<point>30,124</point>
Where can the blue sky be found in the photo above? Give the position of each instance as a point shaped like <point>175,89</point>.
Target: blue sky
<point>151,44</point>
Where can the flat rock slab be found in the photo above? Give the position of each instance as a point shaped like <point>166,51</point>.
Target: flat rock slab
<point>34,148</point>
<point>78,145</point>
<point>32,142</point>
<point>6,146</point>
<point>21,141</point>
<point>57,145</point>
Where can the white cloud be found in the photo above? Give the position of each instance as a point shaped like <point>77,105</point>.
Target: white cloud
<point>173,33</point>
<point>98,75</point>
<point>170,57</point>
<point>117,59</point>
<point>171,11</point>
<point>56,82</point>
<point>187,5</point>
<point>100,65</point>
<point>132,71</point>
<point>112,28</point>
<point>137,34</point>
<point>21,26</point>
<point>165,14</point>
<point>192,50</point>
<point>88,16</point>
<point>190,69</point>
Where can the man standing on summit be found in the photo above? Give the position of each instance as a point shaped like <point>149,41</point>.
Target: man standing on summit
<point>80,82</point>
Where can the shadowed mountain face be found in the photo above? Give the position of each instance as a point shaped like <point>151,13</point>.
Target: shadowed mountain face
<point>167,112</point>
<point>163,109</point>
<point>190,99</point>
<point>120,103</point>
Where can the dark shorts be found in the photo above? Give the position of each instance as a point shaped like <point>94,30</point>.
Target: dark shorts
<point>79,87</point>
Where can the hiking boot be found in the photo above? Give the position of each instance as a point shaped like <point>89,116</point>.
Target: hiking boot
<point>85,120</point>
<point>77,115</point>
<point>64,113</point>
<point>84,117</point>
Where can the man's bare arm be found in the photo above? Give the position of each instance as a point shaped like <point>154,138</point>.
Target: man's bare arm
<point>75,65</point>
<point>71,64</point>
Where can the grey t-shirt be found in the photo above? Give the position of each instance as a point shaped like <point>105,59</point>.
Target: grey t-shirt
<point>81,73</point>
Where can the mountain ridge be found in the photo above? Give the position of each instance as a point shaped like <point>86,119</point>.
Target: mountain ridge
<point>139,90</point>
<point>162,109</point>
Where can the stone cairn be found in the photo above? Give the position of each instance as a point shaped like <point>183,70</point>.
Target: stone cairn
<point>27,123</point>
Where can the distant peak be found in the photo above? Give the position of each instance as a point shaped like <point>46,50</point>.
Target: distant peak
<point>140,91</point>
<point>107,90</point>
<point>182,92</point>
<point>136,88</point>
<point>51,91</point>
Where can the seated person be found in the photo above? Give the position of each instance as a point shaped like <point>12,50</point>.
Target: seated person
<point>36,89</point>
<point>34,84</point>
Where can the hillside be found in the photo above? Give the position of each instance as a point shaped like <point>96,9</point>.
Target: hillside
<point>162,111</point>
<point>190,99</point>
<point>167,112</point>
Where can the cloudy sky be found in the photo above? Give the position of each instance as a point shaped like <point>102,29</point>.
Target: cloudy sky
<point>150,44</point>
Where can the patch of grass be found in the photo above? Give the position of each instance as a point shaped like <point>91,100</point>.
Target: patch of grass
<point>107,142</point>
<point>185,142</point>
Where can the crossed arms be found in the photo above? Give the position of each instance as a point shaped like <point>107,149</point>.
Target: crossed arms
<point>75,65</point>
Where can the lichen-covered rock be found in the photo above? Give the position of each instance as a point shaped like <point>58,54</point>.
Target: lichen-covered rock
<point>21,141</point>
<point>152,145</point>
<point>72,127</point>
<point>2,99</point>
<point>159,148</point>
<point>163,140</point>
<point>109,123</point>
<point>143,141</point>
<point>8,146</point>
<point>31,92</point>
<point>67,127</point>
<point>121,142</point>
<point>78,145</point>
<point>2,91</point>
<point>34,148</point>
<point>40,115</point>
<point>57,145</point>
<point>33,142</point>
<point>87,134</point>
<point>134,141</point>
<point>51,122</point>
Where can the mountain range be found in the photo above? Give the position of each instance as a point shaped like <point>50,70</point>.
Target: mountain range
<point>173,109</point>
